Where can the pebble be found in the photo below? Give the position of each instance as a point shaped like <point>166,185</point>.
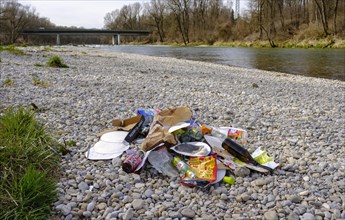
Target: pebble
<point>83,186</point>
<point>137,204</point>
<point>308,216</point>
<point>283,114</point>
<point>295,198</point>
<point>128,214</point>
<point>271,215</point>
<point>65,209</point>
<point>189,213</point>
<point>242,172</point>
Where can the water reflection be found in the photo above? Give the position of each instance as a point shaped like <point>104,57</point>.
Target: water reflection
<point>325,63</point>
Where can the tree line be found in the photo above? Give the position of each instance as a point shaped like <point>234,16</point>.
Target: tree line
<point>199,21</point>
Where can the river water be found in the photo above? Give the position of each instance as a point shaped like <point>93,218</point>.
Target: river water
<point>323,63</point>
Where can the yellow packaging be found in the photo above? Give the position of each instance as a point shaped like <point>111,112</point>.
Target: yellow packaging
<point>205,167</point>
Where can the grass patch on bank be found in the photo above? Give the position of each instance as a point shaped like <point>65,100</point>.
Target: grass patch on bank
<point>56,61</point>
<point>12,49</point>
<point>8,82</point>
<point>38,82</point>
<point>28,162</point>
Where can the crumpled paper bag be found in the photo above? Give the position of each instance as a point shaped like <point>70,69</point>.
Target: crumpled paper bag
<point>160,125</point>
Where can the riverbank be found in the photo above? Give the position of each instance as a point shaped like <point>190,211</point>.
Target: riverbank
<point>300,120</point>
<point>329,42</point>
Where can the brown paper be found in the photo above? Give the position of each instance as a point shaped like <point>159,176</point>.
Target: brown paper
<point>121,125</point>
<point>160,125</point>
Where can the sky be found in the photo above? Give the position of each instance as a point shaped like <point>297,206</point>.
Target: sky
<point>79,13</point>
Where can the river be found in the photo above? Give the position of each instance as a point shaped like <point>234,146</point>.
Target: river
<point>323,63</point>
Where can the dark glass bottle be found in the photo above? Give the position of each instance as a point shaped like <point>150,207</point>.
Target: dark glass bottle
<point>241,153</point>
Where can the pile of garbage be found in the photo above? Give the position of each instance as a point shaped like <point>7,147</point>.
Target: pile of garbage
<point>176,144</point>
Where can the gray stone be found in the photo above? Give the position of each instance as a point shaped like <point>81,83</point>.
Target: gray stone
<point>137,204</point>
<point>308,216</point>
<point>128,214</point>
<point>148,193</point>
<point>83,186</point>
<point>188,213</point>
<point>116,162</point>
<point>271,215</point>
<point>87,214</point>
<point>292,216</point>
<point>295,198</point>
<point>101,206</point>
<point>242,171</point>
<point>174,214</point>
<point>65,209</point>
<point>90,206</point>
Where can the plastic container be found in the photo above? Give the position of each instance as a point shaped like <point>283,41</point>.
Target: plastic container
<point>184,168</point>
<point>192,131</point>
<point>161,160</point>
<point>236,134</point>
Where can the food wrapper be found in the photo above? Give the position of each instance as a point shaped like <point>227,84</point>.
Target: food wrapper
<point>260,155</point>
<point>206,167</point>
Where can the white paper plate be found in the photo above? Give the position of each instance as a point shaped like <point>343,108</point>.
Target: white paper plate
<point>178,126</point>
<point>91,154</point>
<point>114,136</point>
<point>206,149</point>
<point>214,141</point>
<point>104,147</point>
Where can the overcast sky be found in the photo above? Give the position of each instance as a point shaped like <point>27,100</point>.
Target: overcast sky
<point>87,14</point>
<point>79,13</point>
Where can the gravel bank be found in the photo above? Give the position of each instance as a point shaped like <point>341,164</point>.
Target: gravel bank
<point>300,120</point>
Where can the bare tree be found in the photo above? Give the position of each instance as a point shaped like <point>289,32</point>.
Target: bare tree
<point>14,18</point>
<point>181,9</point>
<point>157,10</point>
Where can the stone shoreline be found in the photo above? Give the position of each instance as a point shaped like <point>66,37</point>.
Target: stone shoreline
<point>299,120</point>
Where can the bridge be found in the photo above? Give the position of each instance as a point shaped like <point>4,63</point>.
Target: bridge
<point>116,34</point>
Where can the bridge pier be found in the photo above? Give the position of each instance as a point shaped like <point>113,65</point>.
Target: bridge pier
<point>58,39</point>
<point>116,39</point>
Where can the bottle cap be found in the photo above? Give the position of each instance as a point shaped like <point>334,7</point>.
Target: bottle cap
<point>229,180</point>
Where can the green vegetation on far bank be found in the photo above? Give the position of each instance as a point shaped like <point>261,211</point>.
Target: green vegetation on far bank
<point>12,49</point>
<point>29,159</point>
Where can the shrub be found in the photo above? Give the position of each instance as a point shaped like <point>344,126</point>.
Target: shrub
<point>56,61</point>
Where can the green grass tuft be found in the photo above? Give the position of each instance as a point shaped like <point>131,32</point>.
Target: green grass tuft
<point>8,82</point>
<point>38,82</point>
<point>29,196</point>
<point>38,65</point>
<point>28,155</point>
<point>12,49</point>
<point>55,61</point>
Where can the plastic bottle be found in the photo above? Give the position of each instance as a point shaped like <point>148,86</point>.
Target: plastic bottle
<point>161,160</point>
<point>194,131</point>
<point>132,162</point>
<point>184,168</point>
<point>148,114</point>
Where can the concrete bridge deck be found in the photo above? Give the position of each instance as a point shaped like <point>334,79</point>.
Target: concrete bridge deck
<point>114,33</point>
